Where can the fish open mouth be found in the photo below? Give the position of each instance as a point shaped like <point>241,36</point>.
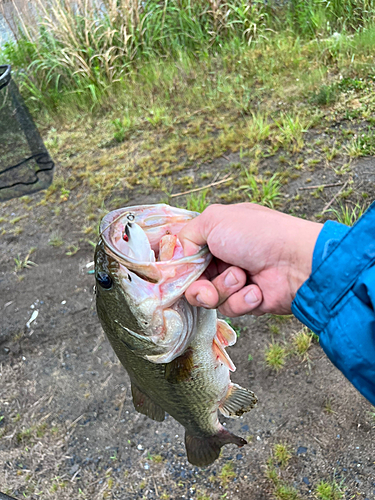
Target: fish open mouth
<point>145,240</point>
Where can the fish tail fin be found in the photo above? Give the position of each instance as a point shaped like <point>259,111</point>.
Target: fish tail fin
<point>203,451</point>
<point>237,401</point>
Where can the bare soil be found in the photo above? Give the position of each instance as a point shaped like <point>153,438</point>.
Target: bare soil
<point>68,427</point>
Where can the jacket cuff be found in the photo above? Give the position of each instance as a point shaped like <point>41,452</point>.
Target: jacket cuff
<point>328,239</point>
<point>341,254</point>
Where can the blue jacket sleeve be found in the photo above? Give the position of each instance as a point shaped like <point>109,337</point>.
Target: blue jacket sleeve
<point>337,301</point>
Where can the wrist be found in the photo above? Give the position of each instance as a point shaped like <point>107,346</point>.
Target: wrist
<point>303,259</point>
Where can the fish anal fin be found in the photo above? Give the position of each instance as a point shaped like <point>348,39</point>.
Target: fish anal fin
<point>221,355</point>
<point>225,333</point>
<point>180,368</point>
<point>237,401</point>
<point>203,451</point>
<point>145,405</point>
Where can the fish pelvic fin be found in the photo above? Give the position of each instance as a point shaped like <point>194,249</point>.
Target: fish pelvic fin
<point>145,405</point>
<point>225,333</point>
<point>225,336</point>
<point>237,401</point>
<point>203,451</point>
<point>221,355</point>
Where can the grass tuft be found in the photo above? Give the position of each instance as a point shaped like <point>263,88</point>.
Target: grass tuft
<point>227,474</point>
<point>56,240</point>
<point>262,191</point>
<point>24,263</point>
<point>282,454</point>
<point>281,489</point>
<point>197,202</point>
<point>275,356</point>
<point>302,342</point>
<point>292,129</point>
<point>348,215</point>
<point>328,491</point>
<point>122,127</point>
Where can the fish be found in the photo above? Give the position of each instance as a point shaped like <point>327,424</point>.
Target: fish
<point>174,353</point>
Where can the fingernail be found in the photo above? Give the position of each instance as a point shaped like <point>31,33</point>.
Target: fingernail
<point>200,301</point>
<point>230,279</point>
<point>251,298</point>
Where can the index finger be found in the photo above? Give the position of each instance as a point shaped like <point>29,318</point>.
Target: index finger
<point>194,235</point>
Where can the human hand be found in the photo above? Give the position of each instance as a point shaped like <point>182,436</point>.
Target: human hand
<point>261,258</point>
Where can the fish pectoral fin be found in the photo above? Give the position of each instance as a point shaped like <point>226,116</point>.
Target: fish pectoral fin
<point>180,369</point>
<point>225,333</point>
<point>203,451</point>
<point>237,401</point>
<point>145,405</point>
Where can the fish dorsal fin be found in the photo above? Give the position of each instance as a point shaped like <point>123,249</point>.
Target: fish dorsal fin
<point>237,401</point>
<point>202,451</point>
<point>145,405</point>
<point>225,333</point>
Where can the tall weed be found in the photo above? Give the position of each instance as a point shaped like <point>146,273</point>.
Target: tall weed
<point>81,52</point>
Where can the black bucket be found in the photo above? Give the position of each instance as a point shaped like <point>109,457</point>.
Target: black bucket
<point>25,164</point>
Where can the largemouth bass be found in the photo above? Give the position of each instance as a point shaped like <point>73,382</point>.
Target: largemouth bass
<point>173,352</point>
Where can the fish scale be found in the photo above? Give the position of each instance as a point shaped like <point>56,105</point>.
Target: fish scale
<point>173,352</point>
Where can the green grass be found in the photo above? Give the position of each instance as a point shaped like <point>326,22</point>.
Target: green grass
<point>56,240</point>
<point>302,342</point>
<point>122,127</point>
<point>196,202</point>
<point>286,492</point>
<point>246,49</point>
<point>328,406</point>
<point>259,128</point>
<point>325,95</point>
<point>227,474</point>
<point>282,454</point>
<point>262,191</point>
<point>275,356</point>
<point>328,491</point>
<point>158,116</point>
<point>281,489</point>
<point>291,130</point>
<point>24,262</point>
<point>349,215</point>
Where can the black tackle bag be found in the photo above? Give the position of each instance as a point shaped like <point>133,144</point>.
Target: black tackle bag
<point>25,165</point>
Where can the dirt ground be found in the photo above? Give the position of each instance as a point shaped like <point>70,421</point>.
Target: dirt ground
<point>67,424</point>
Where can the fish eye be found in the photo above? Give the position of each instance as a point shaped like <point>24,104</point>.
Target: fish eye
<point>104,280</point>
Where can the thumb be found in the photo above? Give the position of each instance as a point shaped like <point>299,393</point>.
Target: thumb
<point>193,236</point>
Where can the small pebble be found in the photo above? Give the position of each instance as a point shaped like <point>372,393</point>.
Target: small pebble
<point>301,449</point>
